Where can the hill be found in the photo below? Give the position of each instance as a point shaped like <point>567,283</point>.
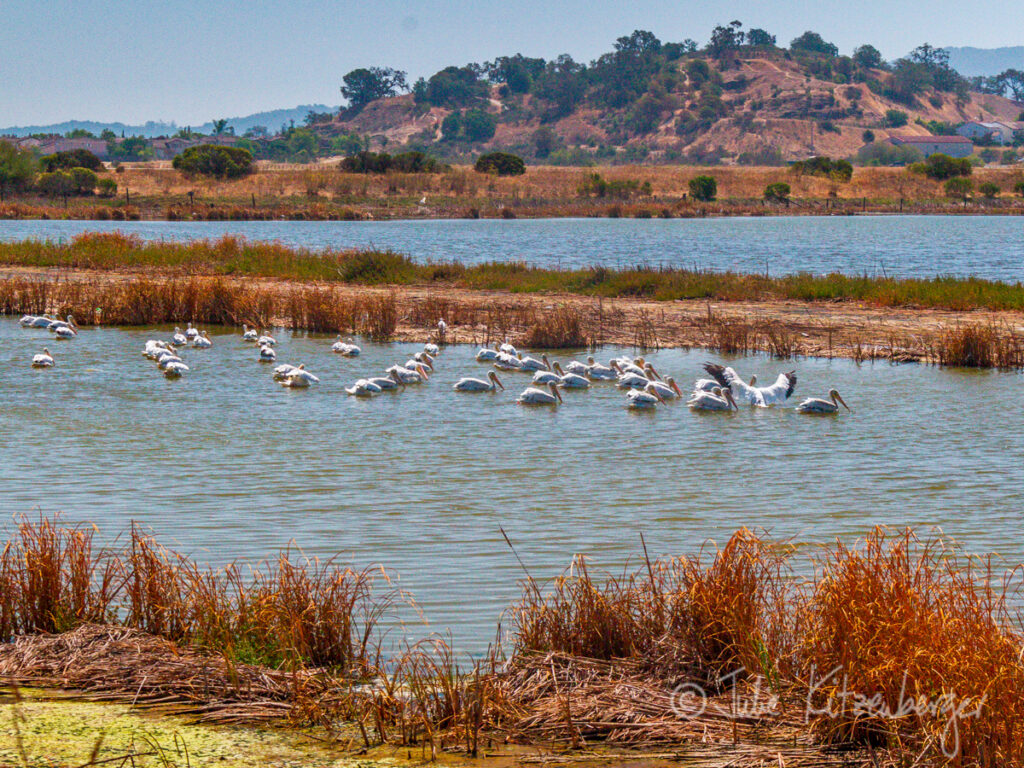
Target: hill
<point>271,120</point>
<point>648,101</point>
<point>985,62</point>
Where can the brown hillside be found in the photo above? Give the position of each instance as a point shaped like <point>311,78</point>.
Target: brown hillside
<point>771,103</point>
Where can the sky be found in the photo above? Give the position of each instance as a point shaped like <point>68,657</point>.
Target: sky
<point>190,62</point>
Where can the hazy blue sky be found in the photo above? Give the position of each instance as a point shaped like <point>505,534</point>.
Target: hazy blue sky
<point>193,61</point>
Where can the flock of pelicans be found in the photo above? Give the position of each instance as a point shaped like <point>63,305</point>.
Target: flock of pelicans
<point>645,388</point>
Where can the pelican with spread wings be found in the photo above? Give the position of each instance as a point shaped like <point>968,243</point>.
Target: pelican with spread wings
<point>776,394</point>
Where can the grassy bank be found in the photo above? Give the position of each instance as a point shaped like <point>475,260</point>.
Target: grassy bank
<point>232,256</point>
<point>322,192</point>
<point>592,659</point>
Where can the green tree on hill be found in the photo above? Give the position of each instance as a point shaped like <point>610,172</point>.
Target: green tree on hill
<point>18,168</point>
<point>812,42</point>
<point>215,160</point>
<point>363,85</point>
<point>760,38</point>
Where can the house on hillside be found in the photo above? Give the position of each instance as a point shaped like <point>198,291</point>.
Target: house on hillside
<point>167,149</point>
<point>954,146</point>
<point>1001,132</point>
<point>48,146</point>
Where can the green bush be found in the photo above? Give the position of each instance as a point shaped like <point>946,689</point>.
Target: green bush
<point>18,168</point>
<point>83,181</point>
<point>884,153</point>
<point>56,184</point>
<point>107,187</point>
<point>959,187</point>
<point>478,126</point>
<point>895,118</point>
<point>778,190</point>
<point>75,158</point>
<point>500,164</point>
<point>215,160</point>
<point>1019,188</point>
<point>703,188</point>
<point>838,170</point>
<point>940,166</point>
<point>989,189</point>
<point>622,189</point>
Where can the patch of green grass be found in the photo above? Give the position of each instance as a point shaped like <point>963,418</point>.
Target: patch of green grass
<point>238,257</point>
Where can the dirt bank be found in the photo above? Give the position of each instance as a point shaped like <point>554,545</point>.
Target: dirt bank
<point>783,328</point>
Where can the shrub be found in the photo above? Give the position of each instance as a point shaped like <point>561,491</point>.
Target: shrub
<point>83,181</point>
<point>703,188</point>
<point>56,184</point>
<point>940,166</point>
<point>838,170</point>
<point>895,118</point>
<point>478,126</point>
<point>885,153</point>
<point>215,160</point>
<point>404,162</point>
<point>623,189</point>
<point>17,168</point>
<point>1019,188</point>
<point>500,164</point>
<point>868,136</point>
<point>778,190</point>
<point>989,189</point>
<point>75,158</point>
<point>107,187</point>
<point>959,187</point>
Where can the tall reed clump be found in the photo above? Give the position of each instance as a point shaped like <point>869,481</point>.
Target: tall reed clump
<point>296,610</point>
<point>913,624</point>
<point>978,346</point>
<point>561,327</point>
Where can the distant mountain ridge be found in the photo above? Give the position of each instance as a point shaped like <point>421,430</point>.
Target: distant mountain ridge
<point>972,62</point>
<point>271,119</point>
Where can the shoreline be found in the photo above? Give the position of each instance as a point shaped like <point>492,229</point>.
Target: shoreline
<point>782,328</point>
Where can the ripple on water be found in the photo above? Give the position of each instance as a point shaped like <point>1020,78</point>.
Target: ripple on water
<point>225,463</point>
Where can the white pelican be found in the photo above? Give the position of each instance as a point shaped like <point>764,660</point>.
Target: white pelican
<point>479,385</point>
<point>266,340</point>
<point>442,326</point>
<point>486,355</point>
<point>190,332</point>
<point>248,334</point>
<point>508,349</point>
<point>647,397</point>
<point>169,359</point>
<point>532,363</point>
<point>625,365</point>
<point>175,369</point>
<point>580,369</point>
<point>668,389</point>
<point>65,332</point>
<point>707,385</point>
<point>202,341</point>
<point>423,357</point>
<point>432,349</point>
<point>632,380</point>
<point>570,380</point>
<point>598,371</point>
<point>283,370</point>
<point>178,339</point>
<point>506,362</point>
<point>45,360</point>
<point>68,324</point>
<point>345,349</point>
<point>299,378</point>
<point>817,405</point>
<point>27,321</point>
<point>384,382</point>
<point>160,353</point>
<point>543,378</point>
<point>42,321</point>
<point>154,347</point>
<point>363,388</point>
<point>717,400</point>
<point>534,396</point>
<point>267,354</point>
<point>417,375</point>
<point>777,393</point>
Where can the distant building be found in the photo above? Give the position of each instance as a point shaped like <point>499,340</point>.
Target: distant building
<point>1000,132</point>
<point>954,146</point>
<point>48,146</point>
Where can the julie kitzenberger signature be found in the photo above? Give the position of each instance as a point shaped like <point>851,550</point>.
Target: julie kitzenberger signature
<point>690,701</point>
<point>842,702</point>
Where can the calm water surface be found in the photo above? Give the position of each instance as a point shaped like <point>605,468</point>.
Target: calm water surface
<point>226,463</point>
<point>910,246</point>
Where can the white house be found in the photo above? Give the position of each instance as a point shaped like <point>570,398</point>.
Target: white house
<point>1001,132</point>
